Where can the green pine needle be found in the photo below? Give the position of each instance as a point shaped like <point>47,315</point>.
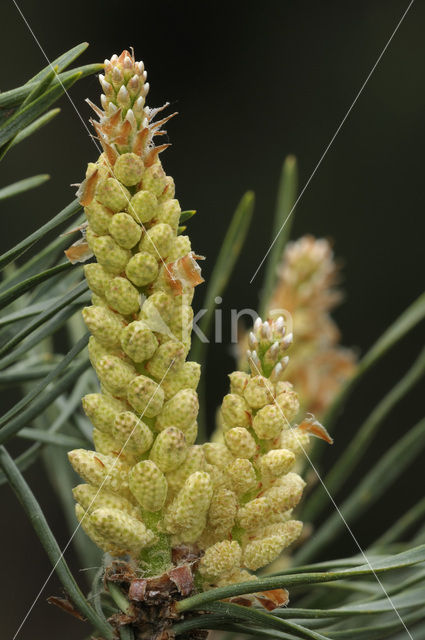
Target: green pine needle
<point>286,198</point>
<point>356,448</point>
<point>414,314</point>
<point>223,267</point>
<point>26,243</point>
<point>42,529</point>
<point>23,185</point>
<point>385,472</point>
<point>389,563</point>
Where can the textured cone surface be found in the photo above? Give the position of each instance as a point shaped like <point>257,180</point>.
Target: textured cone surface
<point>149,488</point>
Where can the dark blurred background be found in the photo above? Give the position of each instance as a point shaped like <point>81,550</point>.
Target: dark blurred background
<point>252,82</point>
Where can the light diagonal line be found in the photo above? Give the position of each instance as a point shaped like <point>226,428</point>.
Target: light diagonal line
<point>108,475</point>
<point>92,138</point>
<point>57,76</point>
<point>341,515</point>
<point>341,124</point>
